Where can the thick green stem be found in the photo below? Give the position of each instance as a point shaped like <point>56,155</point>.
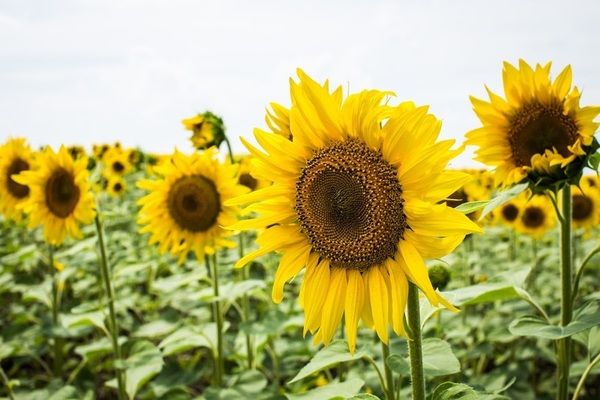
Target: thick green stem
<point>415,347</point>
<point>390,393</point>
<point>57,344</point>
<point>110,294</point>
<point>220,362</point>
<point>246,303</point>
<point>566,311</point>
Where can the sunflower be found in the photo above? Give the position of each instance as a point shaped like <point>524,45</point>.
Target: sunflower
<point>116,186</point>
<point>355,203</point>
<point>185,210</point>
<point>207,130</point>
<point>536,216</point>
<point>245,176</point>
<point>586,205</point>
<point>60,196</point>
<point>539,130</point>
<point>116,162</point>
<point>508,213</point>
<point>15,156</point>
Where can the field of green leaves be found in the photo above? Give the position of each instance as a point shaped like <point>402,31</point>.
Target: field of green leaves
<point>55,340</point>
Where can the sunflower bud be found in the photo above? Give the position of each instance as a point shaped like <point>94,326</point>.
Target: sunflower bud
<point>207,130</point>
<point>439,276</point>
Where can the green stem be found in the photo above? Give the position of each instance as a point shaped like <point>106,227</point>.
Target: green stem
<point>246,303</point>
<point>113,327</point>
<point>57,342</point>
<point>7,384</point>
<point>566,311</point>
<point>219,365</point>
<point>389,377</point>
<point>415,349</point>
<point>587,371</point>
<point>374,364</point>
<point>229,149</point>
<point>580,271</point>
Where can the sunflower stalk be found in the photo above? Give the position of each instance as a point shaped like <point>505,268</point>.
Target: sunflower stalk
<point>57,342</point>
<point>415,349</point>
<point>566,312</point>
<point>7,384</point>
<point>246,303</point>
<point>113,327</point>
<point>218,314</point>
<point>389,377</point>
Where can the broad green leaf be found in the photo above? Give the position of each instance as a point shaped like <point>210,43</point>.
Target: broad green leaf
<point>95,319</point>
<point>502,198</point>
<point>333,391</point>
<point>586,318</point>
<point>337,352</point>
<point>460,391</point>
<point>502,287</point>
<point>143,364</point>
<point>250,382</point>
<point>471,206</point>
<point>594,161</point>
<point>97,349</point>
<point>185,339</point>
<point>364,396</point>
<point>154,329</point>
<point>438,360</point>
<point>594,341</point>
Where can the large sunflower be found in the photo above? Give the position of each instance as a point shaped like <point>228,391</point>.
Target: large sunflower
<point>355,203</point>
<point>15,157</point>
<point>185,210</point>
<point>60,196</point>
<point>540,126</point>
<point>536,217</point>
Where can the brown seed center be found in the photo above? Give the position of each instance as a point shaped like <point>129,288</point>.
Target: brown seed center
<point>248,180</point>
<point>194,203</point>
<point>536,128</point>
<point>582,207</point>
<point>118,167</point>
<point>349,204</point>
<point>510,212</point>
<point>62,194</point>
<point>16,189</point>
<point>533,217</point>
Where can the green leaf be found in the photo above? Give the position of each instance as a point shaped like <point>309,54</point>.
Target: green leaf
<point>185,339</point>
<point>502,287</point>
<point>502,198</point>
<point>338,390</point>
<point>337,352</point>
<point>250,382</point>
<point>364,396</point>
<point>594,161</point>
<point>438,360</point>
<point>594,341</point>
<point>460,391</point>
<point>587,317</point>
<point>471,206</point>
<point>85,320</point>
<point>154,329</point>
<point>144,362</point>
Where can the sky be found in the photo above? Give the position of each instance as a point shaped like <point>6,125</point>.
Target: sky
<point>95,71</point>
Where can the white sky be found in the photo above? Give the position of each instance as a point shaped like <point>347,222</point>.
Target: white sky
<point>85,71</point>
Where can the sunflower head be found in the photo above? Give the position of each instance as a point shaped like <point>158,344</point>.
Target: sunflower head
<point>585,201</point>
<point>116,186</point>
<point>15,157</point>
<point>536,216</point>
<point>60,197</point>
<point>184,210</point>
<point>357,201</point>
<point>207,130</point>
<point>76,151</point>
<point>538,132</point>
<point>245,177</point>
<point>116,163</point>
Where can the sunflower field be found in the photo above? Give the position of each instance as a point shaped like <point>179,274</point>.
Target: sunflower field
<point>340,258</point>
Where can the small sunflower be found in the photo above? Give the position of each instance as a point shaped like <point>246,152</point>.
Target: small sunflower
<point>60,197</point>
<point>185,209</point>
<point>539,130</point>
<point>15,156</point>
<point>116,186</point>
<point>356,203</point>
<point>207,130</point>
<point>536,216</point>
<point>116,163</point>
<point>245,176</point>
<point>586,206</point>
<point>508,213</point>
